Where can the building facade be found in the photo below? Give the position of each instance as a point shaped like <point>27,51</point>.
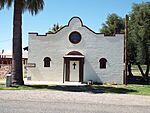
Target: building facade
<point>6,63</point>
<point>76,53</point>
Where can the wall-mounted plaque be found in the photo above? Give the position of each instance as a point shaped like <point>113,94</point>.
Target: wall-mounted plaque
<point>30,65</point>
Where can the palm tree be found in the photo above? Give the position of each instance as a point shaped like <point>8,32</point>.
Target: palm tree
<point>55,28</point>
<point>33,6</point>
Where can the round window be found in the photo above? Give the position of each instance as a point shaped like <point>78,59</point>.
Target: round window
<point>75,37</point>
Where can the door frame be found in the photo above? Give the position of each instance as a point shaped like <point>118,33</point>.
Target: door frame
<point>66,74</point>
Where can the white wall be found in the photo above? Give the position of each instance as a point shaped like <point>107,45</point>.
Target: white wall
<point>93,46</point>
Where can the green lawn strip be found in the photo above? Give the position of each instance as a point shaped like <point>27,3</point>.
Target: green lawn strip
<point>141,89</point>
<point>130,89</point>
<point>23,87</point>
<point>96,89</point>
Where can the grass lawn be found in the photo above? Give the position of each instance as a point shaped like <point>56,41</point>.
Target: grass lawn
<point>136,71</point>
<point>95,89</point>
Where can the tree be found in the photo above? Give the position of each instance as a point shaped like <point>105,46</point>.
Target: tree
<point>139,33</point>
<point>131,54</point>
<point>55,28</point>
<point>33,6</point>
<point>114,24</point>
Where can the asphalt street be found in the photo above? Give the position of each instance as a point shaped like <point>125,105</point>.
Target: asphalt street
<point>71,102</point>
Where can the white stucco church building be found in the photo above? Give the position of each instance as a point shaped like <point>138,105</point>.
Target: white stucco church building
<point>76,53</point>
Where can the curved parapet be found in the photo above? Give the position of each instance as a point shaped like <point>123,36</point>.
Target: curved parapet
<point>75,21</point>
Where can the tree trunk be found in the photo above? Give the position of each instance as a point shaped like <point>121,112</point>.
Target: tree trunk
<point>141,70</point>
<point>145,75</point>
<point>147,60</point>
<point>130,70</point>
<point>147,70</point>
<point>17,75</point>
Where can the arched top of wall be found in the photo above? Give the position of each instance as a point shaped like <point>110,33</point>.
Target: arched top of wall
<point>75,53</point>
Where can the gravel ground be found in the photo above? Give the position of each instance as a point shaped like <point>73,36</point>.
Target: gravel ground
<point>75,97</point>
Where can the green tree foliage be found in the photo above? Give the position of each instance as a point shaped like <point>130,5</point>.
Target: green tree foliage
<point>33,6</point>
<point>55,28</point>
<point>114,24</point>
<point>139,35</point>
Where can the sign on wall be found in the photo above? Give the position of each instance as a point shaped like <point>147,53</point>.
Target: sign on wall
<point>31,65</point>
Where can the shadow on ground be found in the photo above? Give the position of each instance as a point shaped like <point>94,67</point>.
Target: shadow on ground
<point>89,89</point>
<point>138,80</point>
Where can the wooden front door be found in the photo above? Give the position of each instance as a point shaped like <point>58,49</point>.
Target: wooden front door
<point>74,69</point>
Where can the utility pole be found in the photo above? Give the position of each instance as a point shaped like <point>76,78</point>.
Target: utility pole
<point>126,44</point>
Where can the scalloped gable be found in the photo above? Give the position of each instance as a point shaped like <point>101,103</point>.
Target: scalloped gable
<point>76,22</point>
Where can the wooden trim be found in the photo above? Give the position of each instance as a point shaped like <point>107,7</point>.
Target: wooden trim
<point>64,72</point>
<point>81,70</point>
<point>67,68</point>
<point>126,40</point>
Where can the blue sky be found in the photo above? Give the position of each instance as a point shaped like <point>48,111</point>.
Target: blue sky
<point>92,12</point>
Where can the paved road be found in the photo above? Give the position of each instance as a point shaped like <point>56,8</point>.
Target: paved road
<point>71,102</point>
